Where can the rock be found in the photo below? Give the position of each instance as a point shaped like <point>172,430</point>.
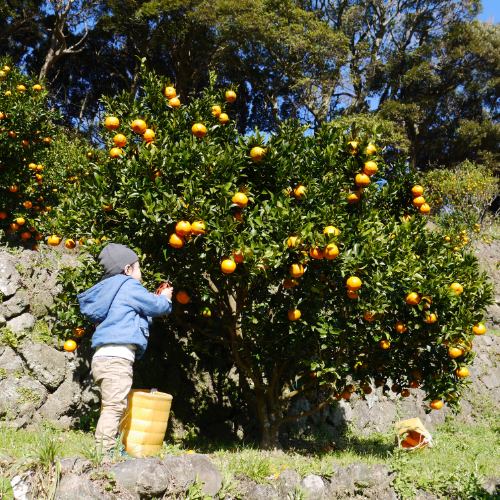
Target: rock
<point>47,364</point>
<point>361,475</point>
<point>10,362</point>
<point>288,480</point>
<point>384,494</point>
<point>260,492</point>
<point>181,472</point>
<point>20,488</point>
<point>340,484</point>
<point>299,405</point>
<point>61,402</point>
<point>67,464</point>
<point>206,472</point>
<point>9,277</point>
<point>42,304</point>
<point>380,473</point>
<point>143,477</point>
<point>74,487</point>
<point>15,392</point>
<point>314,486</point>
<point>492,485</point>
<point>3,321</point>
<point>423,495</point>
<point>492,379</point>
<point>15,306</point>
<point>21,324</point>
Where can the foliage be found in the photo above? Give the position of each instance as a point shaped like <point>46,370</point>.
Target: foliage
<point>138,198</point>
<point>461,201</point>
<point>26,126</point>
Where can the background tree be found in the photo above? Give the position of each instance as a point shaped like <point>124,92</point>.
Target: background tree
<point>308,275</point>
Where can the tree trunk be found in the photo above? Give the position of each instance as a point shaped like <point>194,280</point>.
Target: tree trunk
<point>267,421</point>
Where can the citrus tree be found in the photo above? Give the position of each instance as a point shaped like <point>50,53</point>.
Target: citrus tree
<point>305,257</point>
<point>462,199</point>
<point>26,131</point>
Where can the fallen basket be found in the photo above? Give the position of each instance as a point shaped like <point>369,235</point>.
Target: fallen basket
<point>145,422</point>
<point>411,434</point>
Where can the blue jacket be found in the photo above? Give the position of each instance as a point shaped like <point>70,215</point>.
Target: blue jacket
<point>123,308</point>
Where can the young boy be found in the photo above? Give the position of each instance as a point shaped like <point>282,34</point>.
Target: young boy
<point>123,308</point>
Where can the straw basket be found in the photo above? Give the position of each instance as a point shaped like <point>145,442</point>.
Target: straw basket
<point>145,422</point>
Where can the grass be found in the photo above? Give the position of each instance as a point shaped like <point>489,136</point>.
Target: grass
<point>462,456</point>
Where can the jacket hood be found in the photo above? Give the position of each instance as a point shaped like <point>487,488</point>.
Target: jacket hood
<point>96,301</point>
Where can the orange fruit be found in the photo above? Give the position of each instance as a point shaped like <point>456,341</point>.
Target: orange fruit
<point>331,231</point>
<point>27,204</point>
<point>54,240</point>
<point>352,295</point>
<point>417,190</point>
<point>119,139</point>
<point>174,102</point>
<point>412,299</point>
<point>199,130</point>
<point>425,209</point>
<point>478,329</point>
<point>370,149</point>
<point>353,198</point>
<point>369,168</point>
<point>22,88</point>
<point>3,215</point>
<point>436,404</point>
<point>26,235</point>
<point>39,168</point>
<point>37,87</point>
<point>457,287</point>
<point>405,393</point>
<point>368,316</point>
<point>216,111</point>
<point>170,92</point>
<point>299,192</point>
<point>148,135</point>
<point>115,153</point>
<point>70,244</point>
<point>47,140</point>
<point>353,283</point>
<point>455,352</point>
<point>414,384</point>
<point>183,228</point>
<point>35,248</point>
<point>362,180</point>
<point>6,69</point>
<point>238,257</point>
<point>256,154</point>
<point>430,318</point>
<point>139,126</point>
<point>13,188</point>
<point>293,314</point>
<point>353,147</point>
<point>367,389</point>
<point>207,313</point>
<point>462,372</point>
<point>197,227</point>
<point>107,208</point>
<point>230,96</point>
<point>182,297</point>
<point>316,253</point>
<point>176,240</point>
<point>400,327</point>
<point>418,201</point>
<point>14,226</point>
<point>228,266</point>
<point>78,332</point>
<point>12,135</point>
<point>451,396</point>
<point>112,123</point>
<point>240,199</point>
<point>296,270</point>
<point>69,345</point>
<point>447,238</point>
<point>223,118</point>
<point>346,394</point>
<point>385,344</point>
<point>289,283</point>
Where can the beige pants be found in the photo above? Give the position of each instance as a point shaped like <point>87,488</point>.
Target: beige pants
<point>114,376</point>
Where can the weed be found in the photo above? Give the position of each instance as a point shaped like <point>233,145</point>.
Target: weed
<point>194,492</point>
<point>88,422</point>
<point>46,448</point>
<point>26,395</point>
<point>298,494</point>
<point>9,337</point>
<point>42,332</point>
<point>109,477</point>
<point>229,487</point>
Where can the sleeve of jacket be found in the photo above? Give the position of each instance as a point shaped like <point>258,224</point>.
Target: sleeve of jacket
<point>146,303</point>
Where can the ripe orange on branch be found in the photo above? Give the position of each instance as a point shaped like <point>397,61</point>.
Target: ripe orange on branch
<point>54,240</point>
<point>182,297</point>
<point>183,227</point>
<point>479,329</point>
<point>216,111</point>
<point>198,227</point>
<point>119,139</point>
<point>112,123</point>
<point>296,270</point>
<point>400,327</point>
<point>176,240</point>
<point>412,299</point>
<point>223,118</point>
<point>228,266</point>
<point>199,130</point>
<point>418,201</point>
<point>457,287</point>
<point>230,96</point>
<point>299,192</point>
<point>354,283</point>
<point>139,126</point>
<point>362,180</point>
<point>370,167</point>
<point>417,190</point>
<point>256,154</point>
<point>170,92</point>
<point>240,199</point>
<point>294,314</point>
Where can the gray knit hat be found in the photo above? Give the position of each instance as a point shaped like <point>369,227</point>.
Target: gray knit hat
<point>114,257</point>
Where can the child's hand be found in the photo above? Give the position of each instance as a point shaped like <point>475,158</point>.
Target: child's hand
<point>168,292</point>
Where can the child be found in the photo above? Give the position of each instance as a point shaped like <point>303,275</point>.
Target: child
<point>123,308</point>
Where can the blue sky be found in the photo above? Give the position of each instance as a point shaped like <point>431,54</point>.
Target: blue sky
<point>491,8</point>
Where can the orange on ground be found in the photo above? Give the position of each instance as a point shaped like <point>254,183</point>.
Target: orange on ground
<point>367,389</point>
<point>183,228</point>
<point>230,96</point>
<point>316,253</point>
<point>223,118</point>
<point>296,270</point>
<point>139,126</point>
<point>228,266</point>
<point>457,287</point>
<point>293,314</point>
<point>198,227</point>
<point>115,153</point>
<point>417,190</point>
<point>479,329</point>
<point>412,299</point>
<point>240,199</point>
<point>199,130</point>
<point>353,283</point>
<point>436,404</point>
<point>176,240</point>
<point>70,244</point>
<point>216,111</point>
<point>362,180</point>
<point>256,154</point>
<point>400,327</point>
<point>69,345</point>
<point>119,139</point>
<point>299,192</point>
<point>112,123</point>
<point>182,297</point>
<point>54,240</point>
